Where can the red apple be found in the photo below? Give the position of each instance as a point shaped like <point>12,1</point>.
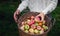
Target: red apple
<point>37,19</point>
<point>31,22</point>
<point>33,26</point>
<point>38,27</point>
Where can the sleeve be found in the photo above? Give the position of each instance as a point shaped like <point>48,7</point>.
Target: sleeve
<point>23,5</point>
<point>50,7</point>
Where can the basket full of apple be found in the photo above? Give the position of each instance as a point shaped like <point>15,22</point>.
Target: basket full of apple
<point>28,25</point>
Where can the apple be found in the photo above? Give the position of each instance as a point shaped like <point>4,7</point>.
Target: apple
<point>36,24</point>
<point>31,22</point>
<point>37,19</point>
<point>44,22</point>
<point>26,27</point>
<point>22,27</point>
<point>38,27</point>
<point>26,31</point>
<point>41,31</point>
<point>40,23</point>
<point>28,21</point>
<point>31,30</point>
<point>36,31</point>
<point>33,26</point>
<point>45,27</point>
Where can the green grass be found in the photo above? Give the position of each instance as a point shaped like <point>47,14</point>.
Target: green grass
<point>8,27</point>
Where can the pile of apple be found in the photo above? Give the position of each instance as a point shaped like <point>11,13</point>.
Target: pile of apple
<point>34,25</point>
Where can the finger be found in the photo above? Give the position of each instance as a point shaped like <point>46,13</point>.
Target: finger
<point>17,12</point>
<point>15,17</point>
<point>42,18</point>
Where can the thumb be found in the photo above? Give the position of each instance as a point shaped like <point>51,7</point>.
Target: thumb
<point>42,18</point>
<point>17,12</point>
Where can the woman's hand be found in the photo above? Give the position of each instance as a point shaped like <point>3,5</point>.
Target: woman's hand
<point>16,13</point>
<point>41,16</point>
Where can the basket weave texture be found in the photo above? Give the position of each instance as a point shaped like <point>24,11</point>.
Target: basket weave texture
<point>29,14</point>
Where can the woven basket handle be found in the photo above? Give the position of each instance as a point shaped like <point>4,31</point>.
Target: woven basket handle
<point>17,18</point>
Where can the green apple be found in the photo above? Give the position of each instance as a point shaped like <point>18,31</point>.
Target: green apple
<point>45,27</point>
<point>44,22</point>
<point>36,24</point>
<point>41,31</point>
<point>26,31</point>
<point>31,30</point>
<point>36,31</point>
<point>26,27</point>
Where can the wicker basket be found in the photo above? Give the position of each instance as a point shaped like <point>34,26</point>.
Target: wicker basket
<point>28,14</point>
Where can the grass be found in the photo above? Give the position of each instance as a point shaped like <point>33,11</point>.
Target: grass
<point>8,27</point>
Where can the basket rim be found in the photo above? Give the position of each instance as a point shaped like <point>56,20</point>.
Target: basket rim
<point>35,34</point>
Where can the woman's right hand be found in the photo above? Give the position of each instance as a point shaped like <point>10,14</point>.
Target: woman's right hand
<point>16,14</point>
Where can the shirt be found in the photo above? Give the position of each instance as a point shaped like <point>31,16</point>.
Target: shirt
<point>39,6</point>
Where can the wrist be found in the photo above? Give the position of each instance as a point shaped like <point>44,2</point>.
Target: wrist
<point>42,13</point>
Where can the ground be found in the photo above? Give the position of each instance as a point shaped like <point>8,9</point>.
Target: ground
<point>8,27</point>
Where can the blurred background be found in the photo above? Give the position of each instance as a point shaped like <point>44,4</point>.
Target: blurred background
<point>8,27</point>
